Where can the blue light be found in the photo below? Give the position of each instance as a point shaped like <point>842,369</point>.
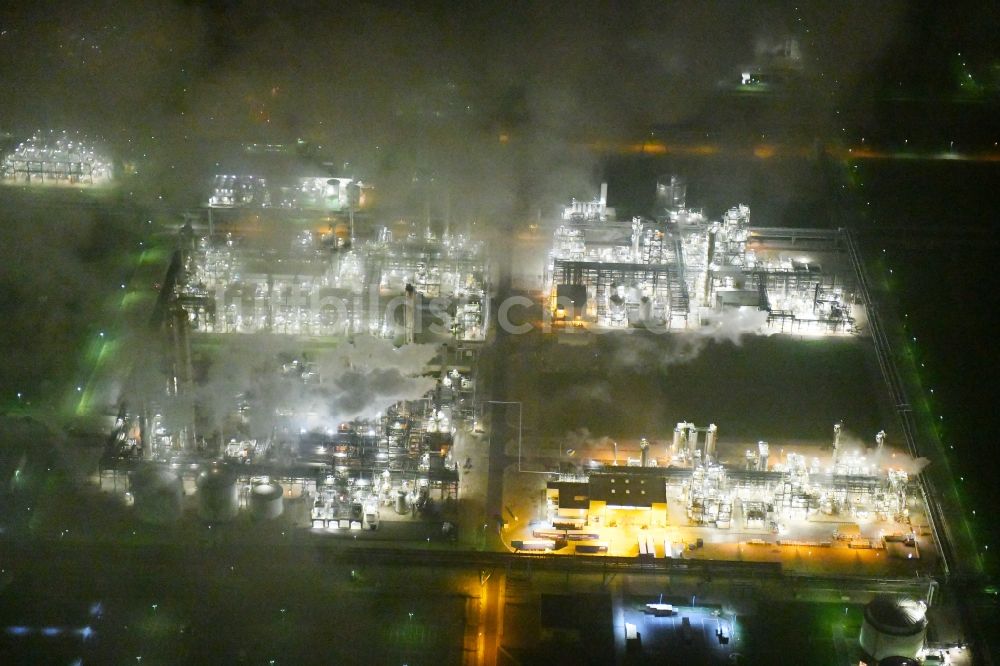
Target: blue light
<point>18,631</point>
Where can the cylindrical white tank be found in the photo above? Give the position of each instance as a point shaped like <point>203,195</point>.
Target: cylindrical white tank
<point>762,453</point>
<point>218,496</point>
<point>893,627</point>
<point>692,438</point>
<point>266,501</point>
<point>158,494</point>
<point>710,441</point>
<point>679,438</point>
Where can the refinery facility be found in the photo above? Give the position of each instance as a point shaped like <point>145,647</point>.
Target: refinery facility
<point>337,375</point>
<point>283,176</point>
<point>691,497</point>
<point>367,348</point>
<point>57,158</point>
<point>312,193</point>
<point>364,352</point>
<point>679,270</point>
<point>542,333</point>
<point>318,285</point>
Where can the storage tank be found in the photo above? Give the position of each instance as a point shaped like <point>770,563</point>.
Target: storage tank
<point>692,439</point>
<point>710,437</point>
<point>401,502</point>
<point>158,494</point>
<point>762,453</point>
<point>266,501</point>
<point>893,627</point>
<point>218,496</point>
<point>680,437</point>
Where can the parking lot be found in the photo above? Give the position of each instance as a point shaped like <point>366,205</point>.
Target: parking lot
<point>707,637</point>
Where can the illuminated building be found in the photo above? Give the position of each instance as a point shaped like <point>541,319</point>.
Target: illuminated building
<point>57,159</point>
<point>684,271</point>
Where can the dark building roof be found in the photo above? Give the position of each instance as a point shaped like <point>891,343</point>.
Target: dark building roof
<point>898,661</point>
<point>438,441</point>
<point>572,494</point>
<point>896,617</point>
<point>572,298</point>
<point>575,611</point>
<point>586,623</point>
<point>638,487</point>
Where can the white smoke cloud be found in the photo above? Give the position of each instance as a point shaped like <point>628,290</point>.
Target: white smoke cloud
<point>356,379</point>
<point>889,457</point>
<point>732,325</point>
<point>581,439</point>
<point>648,353</point>
<point>590,393</point>
<point>905,462</point>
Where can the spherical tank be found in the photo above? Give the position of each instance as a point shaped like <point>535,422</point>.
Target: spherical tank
<point>266,501</point>
<point>893,627</point>
<point>158,494</point>
<point>218,496</point>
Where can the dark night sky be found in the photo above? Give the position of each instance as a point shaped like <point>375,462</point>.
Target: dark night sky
<point>400,89</point>
<point>374,70</point>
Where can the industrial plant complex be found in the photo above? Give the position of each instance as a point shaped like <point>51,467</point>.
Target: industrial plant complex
<point>511,334</point>
<point>311,366</point>
<point>680,270</point>
<point>57,159</point>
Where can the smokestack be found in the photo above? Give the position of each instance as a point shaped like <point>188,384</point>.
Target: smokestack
<point>644,452</point>
<point>145,431</point>
<point>447,214</point>
<point>836,439</point>
<point>604,195</point>
<point>409,314</point>
<point>636,235</point>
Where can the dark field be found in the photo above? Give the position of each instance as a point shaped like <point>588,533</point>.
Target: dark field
<point>624,385</point>
<point>799,633</point>
<point>170,605</point>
